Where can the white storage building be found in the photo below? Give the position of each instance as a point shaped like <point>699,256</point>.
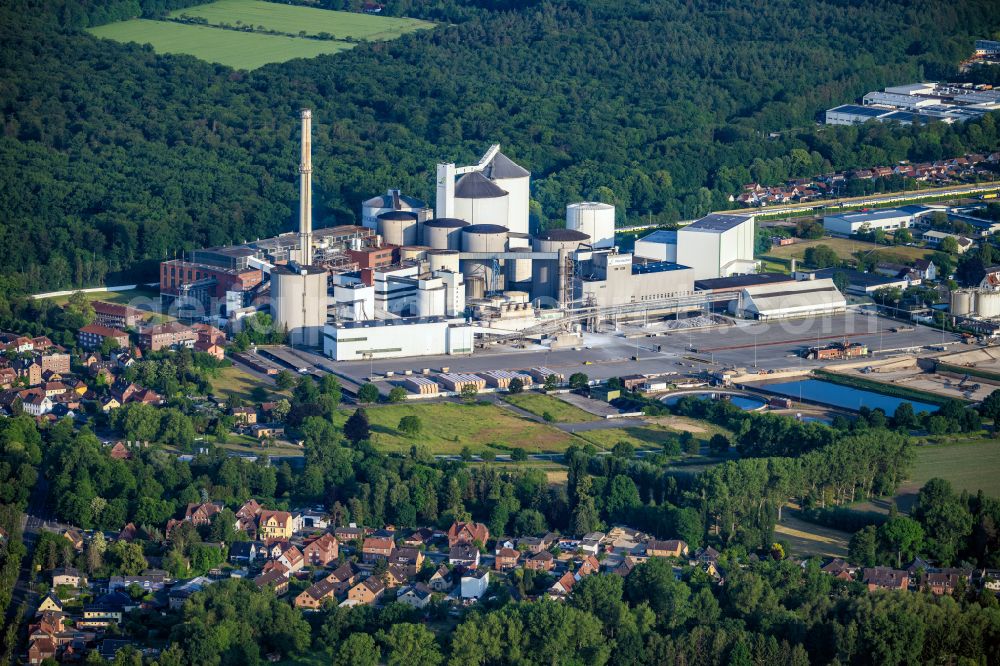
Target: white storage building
<point>808,298</point>
<point>718,245</point>
<point>660,246</point>
<point>889,219</point>
<point>396,338</point>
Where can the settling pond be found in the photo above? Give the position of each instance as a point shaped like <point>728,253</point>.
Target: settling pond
<point>844,397</point>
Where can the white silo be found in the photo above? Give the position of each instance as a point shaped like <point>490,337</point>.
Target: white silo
<point>595,219</point>
<point>484,239</point>
<point>516,181</point>
<point>478,200</point>
<point>988,304</point>
<point>392,201</point>
<point>445,260</point>
<point>962,302</point>
<point>545,274</point>
<point>443,233</point>
<point>398,227</point>
<point>519,270</point>
<point>299,302</point>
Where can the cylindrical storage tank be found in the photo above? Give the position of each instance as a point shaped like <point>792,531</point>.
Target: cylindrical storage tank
<point>299,303</point>
<point>961,303</point>
<point>545,273</point>
<point>443,260</point>
<point>475,288</point>
<point>393,200</point>
<point>597,220</point>
<point>516,181</point>
<point>485,238</point>
<point>478,200</point>
<point>428,305</point>
<point>519,271</point>
<point>443,233</point>
<point>413,253</point>
<point>398,227</point>
<point>988,304</point>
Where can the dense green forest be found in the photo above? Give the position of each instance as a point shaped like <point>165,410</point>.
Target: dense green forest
<point>112,157</point>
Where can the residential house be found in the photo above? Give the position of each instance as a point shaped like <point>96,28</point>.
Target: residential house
<point>464,555</point>
<point>181,592</point>
<point>350,533</point>
<point>149,582</point>
<point>310,520</point>
<point>67,576</point>
<point>410,558</point>
<point>543,561</point>
<point>266,431</point>
<point>75,539</point>
<point>213,349</point>
<point>591,543</point>
<point>886,578</point>
<point>274,524</point>
<point>120,452</point>
<point>624,568</point>
<point>343,578</point>
<point>415,596</point>
<point>246,517</point>
<point>106,610</point>
<point>707,554</point>
<point>945,581</point>
<point>320,552</point>
<point>839,569</point>
<point>243,552</point>
<point>201,514</point>
<point>506,558</point>
<point>473,584</point>
<point>377,548</point>
<point>468,533</point>
<point>36,403</point>
<point>116,315</point>
<point>396,575</point>
<point>587,566</point>
<point>420,537</point>
<point>563,586</point>
<point>50,602</point>
<point>668,548</point>
<point>244,415</point>
<point>440,581</point>
<point>312,598</point>
<point>274,579</point>
<point>166,336</point>
<point>41,649</point>
<point>292,558</point>
<point>367,591</point>
<point>926,269</point>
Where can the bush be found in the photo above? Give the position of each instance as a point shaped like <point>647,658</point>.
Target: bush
<point>410,424</point>
<point>547,417</point>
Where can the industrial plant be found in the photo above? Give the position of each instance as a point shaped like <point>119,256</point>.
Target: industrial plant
<point>416,280</point>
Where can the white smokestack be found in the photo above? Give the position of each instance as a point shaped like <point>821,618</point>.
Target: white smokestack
<point>305,190</point>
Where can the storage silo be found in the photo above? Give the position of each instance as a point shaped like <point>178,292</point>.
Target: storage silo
<point>597,220</point>
<point>478,200</point>
<point>961,303</point>
<point>398,227</point>
<point>392,201</point>
<point>486,239</point>
<point>516,181</point>
<point>475,287</point>
<point>519,271</point>
<point>446,260</point>
<point>988,304</point>
<point>545,273</point>
<point>413,253</point>
<point>444,233</point>
<point>299,302</point>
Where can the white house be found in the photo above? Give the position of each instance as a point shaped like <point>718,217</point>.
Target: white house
<point>474,584</point>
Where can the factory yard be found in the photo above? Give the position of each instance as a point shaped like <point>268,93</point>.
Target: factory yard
<point>239,48</point>
<point>293,20</point>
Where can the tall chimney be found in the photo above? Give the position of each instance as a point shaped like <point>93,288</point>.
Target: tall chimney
<point>305,191</point>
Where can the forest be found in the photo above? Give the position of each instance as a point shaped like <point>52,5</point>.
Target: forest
<point>113,158</point>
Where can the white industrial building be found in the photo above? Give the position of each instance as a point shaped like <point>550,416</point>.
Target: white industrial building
<point>718,245</point>
<point>808,298</point>
<point>390,202</point>
<point>658,246</point>
<point>495,191</point>
<point>397,338</point>
<point>609,279</point>
<point>399,291</point>
<point>919,103</point>
<point>889,219</point>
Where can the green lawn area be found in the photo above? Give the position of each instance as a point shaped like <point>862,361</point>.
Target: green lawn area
<point>448,427</point>
<point>293,19</point>
<point>540,403</point>
<point>641,437</point>
<point>234,381</point>
<point>970,465</point>
<point>806,538</point>
<point>845,247</point>
<point>141,298</point>
<point>239,50</point>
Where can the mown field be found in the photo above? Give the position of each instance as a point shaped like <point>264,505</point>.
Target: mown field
<point>539,404</point>
<point>239,50</point>
<point>970,465</point>
<point>449,427</point>
<point>294,20</point>
<point>845,247</point>
<point>641,437</point>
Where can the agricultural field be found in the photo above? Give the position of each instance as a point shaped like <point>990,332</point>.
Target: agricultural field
<point>845,247</point>
<point>239,50</point>
<point>539,404</point>
<point>449,427</point>
<point>295,20</point>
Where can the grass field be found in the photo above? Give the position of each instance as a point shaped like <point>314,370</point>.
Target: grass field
<point>970,465</point>
<point>845,247</point>
<point>808,539</point>
<point>293,20</point>
<point>135,297</point>
<point>239,50</point>
<point>641,437</point>
<point>539,403</point>
<point>233,381</point>
<point>449,427</point>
